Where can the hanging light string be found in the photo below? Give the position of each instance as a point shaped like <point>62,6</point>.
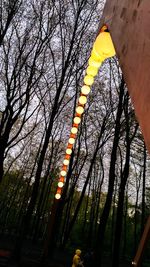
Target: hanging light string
<point>103,48</point>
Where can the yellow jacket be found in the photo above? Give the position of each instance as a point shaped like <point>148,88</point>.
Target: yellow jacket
<point>76,260</point>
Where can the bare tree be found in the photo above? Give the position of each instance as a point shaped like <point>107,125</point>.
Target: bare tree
<point>106,210</point>
<point>130,134</point>
<point>23,57</point>
<point>8,10</point>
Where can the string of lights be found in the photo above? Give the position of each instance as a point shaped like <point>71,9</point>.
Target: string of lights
<point>103,48</point>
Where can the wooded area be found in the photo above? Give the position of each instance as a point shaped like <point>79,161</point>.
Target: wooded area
<point>44,50</point>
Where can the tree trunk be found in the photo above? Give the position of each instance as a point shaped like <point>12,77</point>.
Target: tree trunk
<point>86,183</point>
<point>106,210</point>
<point>119,217</point>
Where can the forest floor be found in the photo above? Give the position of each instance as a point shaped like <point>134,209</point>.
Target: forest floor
<point>31,256</point>
<point>32,259</point>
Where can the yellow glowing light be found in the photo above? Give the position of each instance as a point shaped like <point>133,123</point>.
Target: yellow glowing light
<point>60,184</point>
<point>77,120</point>
<point>68,151</point>
<point>104,46</point>
<point>94,63</point>
<point>74,129</point>
<point>95,56</point>
<point>57,196</point>
<point>66,162</point>
<point>63,173</point>
<point>85,89</point>
<point>91,70</point>
<point>82,100</point>
<point>88,79</point>
<point>71,141</point>
<point>79,110</point>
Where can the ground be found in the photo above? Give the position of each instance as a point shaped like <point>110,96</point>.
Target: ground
<point>32,259</point>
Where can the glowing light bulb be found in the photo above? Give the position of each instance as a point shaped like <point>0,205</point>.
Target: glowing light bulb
<point>91,70</point>
<point>77,120</point>
<point>71,141</point>
<point>104,46</point>
<point>88,80</point>
<point>66,162</point>
<point>74,130</point>
<point>68,151</point>
<point>63,173</point>
<point>60,184</point>
<point>85,89</point>
<point>58,196</point>
<point>95,56</point>
<point>79,110</point>
<point>94,63</point>
<point>82,100</point>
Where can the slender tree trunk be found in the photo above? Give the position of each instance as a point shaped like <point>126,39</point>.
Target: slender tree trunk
<point>125,222</point>
<point>91,217</point>
<point>86,183</point>
<point>106,210</point>
<point>119,217</point>
<point>86,210</point>
<point>3,145</point>
<point>124,177</point>
<point>113,218</point>
<point>99,191</point>
<point>136,214</point>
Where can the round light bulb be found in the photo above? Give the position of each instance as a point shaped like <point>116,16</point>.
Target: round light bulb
<point>104,46</point>
<point>68,151</point>
<point>82,100</point>
<point>77,120</point>
<point>94,63</point>
<point>95,56</point>
<point>88,79</point>
<point>63,173</point>
<point>91,70</point>
<point>85,89</point>
<point>74,130</point>
<point>71,141</point>
<point>66,162</point>
<point>60,184</point>
<point>57,196</point>
<point>79,110</point>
